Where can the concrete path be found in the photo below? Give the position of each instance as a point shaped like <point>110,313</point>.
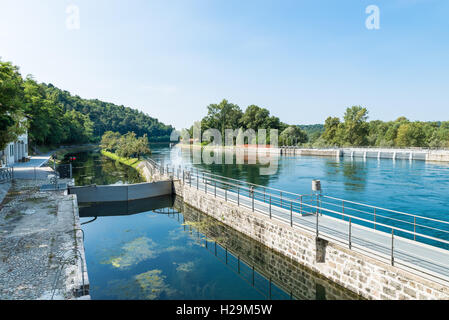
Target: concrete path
<point>35,161</point>
<point>38,244</point>
<point>410,255</point>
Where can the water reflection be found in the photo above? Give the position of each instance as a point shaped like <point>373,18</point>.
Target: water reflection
<point>91,167</point>
<point>181,253</point>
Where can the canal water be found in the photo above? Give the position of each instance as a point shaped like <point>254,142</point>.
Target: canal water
<point>164,249</point>
<point>168,253</point>
<point>414,187</point>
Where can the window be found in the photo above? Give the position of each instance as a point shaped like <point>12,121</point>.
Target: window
<point>11,150</point>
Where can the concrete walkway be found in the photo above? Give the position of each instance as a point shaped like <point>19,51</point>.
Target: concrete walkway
<point>35,161</point>
<point>411,255</point>
<point>40,248</point>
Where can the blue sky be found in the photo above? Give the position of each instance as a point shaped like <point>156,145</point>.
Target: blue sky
<point>303,60</point>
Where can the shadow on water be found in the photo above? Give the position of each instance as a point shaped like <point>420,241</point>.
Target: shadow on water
<point>122,208</point>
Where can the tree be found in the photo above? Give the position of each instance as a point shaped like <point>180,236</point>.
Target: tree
<point>355,128</point>
<point>293,135</point>
<point>11,103</point>
<point>222,116</point>
<point>331,131</point>
<point>411,135</point>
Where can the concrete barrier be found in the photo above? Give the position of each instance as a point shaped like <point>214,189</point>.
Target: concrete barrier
<point>112,193</point>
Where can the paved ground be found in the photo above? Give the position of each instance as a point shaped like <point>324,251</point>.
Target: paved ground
<point>35,161</point>
<point>37,237</point>
<point>407,253</point>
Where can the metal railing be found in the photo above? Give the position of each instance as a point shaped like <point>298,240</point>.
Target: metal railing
<point>374,230</point>
<point>6,174</point>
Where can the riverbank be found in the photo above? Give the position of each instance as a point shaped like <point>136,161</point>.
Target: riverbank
<point>132,162</point>
<point>41,247</point>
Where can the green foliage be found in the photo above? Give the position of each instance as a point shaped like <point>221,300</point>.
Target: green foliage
<point>11,103</point>
<point>291,136</point>
<point>227,115</point>
<point>56,117</point>
<point>125,146</point>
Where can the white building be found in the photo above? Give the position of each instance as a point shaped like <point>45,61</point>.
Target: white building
<point>15,151</point>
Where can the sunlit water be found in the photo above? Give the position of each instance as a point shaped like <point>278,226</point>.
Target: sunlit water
<point>152,255</point>
<point>177,252</point>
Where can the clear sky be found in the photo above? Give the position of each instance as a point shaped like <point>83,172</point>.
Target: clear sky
<point>303,60</point>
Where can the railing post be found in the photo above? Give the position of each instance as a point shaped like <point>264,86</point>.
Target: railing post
<point>392,247</point>
<point>317,224</point>
<point>343,210</point>
<point>291,213</point>
<point>350,244</point>
<point>414,228</point>
<point>238,196</point>
<point>205,184</point>
<point>226,194</point>
<point>300,204</point>
<point>374,218</point>
<point>264,195</point>
<point>215,189</point>
<point>281,199</point>
<point>197,180</point>
<point>270,206</point>
<point>253,201</point>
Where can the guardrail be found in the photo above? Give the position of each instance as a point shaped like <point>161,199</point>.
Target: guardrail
<point>381,232</point>
<point>6,174</point>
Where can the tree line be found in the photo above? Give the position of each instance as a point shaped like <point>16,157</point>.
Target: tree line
<point>126,146</point>
<point>55,116</point>
<point>226,115</point>
<point>353,130</point>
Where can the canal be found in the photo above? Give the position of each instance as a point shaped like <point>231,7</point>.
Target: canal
<point>176,252</point>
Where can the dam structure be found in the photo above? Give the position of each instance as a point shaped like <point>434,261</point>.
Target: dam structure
<point>377,153</point>
<point>374,252</point>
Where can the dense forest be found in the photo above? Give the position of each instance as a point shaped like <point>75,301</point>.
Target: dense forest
<point>55,117</point>
<point>353,130</point>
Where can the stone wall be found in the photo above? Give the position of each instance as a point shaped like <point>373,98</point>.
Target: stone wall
<point>361,274</point>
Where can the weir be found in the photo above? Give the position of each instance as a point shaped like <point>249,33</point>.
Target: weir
<point>374,252</point>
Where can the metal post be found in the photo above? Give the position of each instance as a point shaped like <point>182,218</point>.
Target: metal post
<point>343,211</point>
<point>253,202</point>
<point>350,245</point>
<point>374,218</point>
<point>392,247</point>
<point>281,199</point>
<point>300,208</point>
<point>414,228</point>
<point>317,225</point>
<point>215,189</point>
<point>270,206</point>
<point>263,194</point>
<point>291,214</point>
<point>205,184</point>
<point>238,196</point>
<point>70,170</point>
<point>226,194</point>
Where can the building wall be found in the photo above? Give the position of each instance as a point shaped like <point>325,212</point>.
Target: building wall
<point>15,151</point>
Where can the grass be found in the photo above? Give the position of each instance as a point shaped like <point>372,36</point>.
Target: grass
<point>132,162</point>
